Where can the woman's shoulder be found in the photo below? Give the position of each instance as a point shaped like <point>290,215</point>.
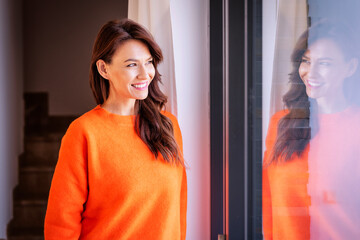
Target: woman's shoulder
<point>275,118</point>
<point>168,114</point>
<point>171,116</point>
<point>175,124</point>
<point>87,120</point>
<point>280,113</point>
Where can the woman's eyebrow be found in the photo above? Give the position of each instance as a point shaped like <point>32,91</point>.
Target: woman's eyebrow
<point>131,60</point>
<point>136,60</point>
<point>326,58</point>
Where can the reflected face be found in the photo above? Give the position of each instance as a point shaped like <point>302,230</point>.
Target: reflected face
<point>323,69</point>
<point>131,71</point>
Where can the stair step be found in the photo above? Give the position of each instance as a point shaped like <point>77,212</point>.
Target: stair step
<point>29,196</point>
<point>26,237</point>
<point>43,134</point>
<point>29,215</point>
<point>31,161</point>
<point>35,180</point>
<point>42,149</point>
<point>30,202</point>
<point>49,136</point>
<point>25,233</point>
<point>36,169</point>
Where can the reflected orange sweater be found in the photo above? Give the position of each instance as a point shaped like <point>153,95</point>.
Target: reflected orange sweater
<point>285,196</point>
<point>326,173</point>
<point>108,185</point>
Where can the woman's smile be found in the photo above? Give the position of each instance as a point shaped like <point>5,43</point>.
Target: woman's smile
<point>140,86</point>
<point>129,73</point>
<point>323,70</point>
<point>314,84</point>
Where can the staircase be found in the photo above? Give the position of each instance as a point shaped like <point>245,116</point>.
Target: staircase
<point>42,139</point>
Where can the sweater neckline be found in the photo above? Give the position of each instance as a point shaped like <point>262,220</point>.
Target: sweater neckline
<point>123,119</point>
<point>344,113</point>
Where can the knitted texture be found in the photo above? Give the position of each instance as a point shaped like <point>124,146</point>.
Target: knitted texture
<point>108,185</point>
<point>314,196</point>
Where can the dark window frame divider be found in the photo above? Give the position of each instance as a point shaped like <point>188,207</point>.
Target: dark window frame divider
<point>237,116</point>
<point>216,118</point>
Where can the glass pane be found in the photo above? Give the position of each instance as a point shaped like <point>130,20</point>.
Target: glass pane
<point>311,119</point>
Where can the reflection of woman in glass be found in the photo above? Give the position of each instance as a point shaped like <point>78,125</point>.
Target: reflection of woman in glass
<point>120,173</point>
<point>311,163</point>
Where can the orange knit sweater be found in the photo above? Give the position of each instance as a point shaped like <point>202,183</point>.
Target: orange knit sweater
<point>285,198</point>
<point>108,185</point>
<point>314,196</point>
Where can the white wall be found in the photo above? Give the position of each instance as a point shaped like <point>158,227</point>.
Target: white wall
<point>190,25</point>
<point>11,106</point>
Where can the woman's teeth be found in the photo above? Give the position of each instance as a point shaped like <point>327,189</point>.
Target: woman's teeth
<point>314,84</point>
<point>139,85</point>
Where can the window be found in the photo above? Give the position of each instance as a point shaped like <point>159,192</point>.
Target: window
<point>285,113</point>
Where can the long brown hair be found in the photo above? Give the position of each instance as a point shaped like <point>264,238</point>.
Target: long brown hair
<point>155,129</point>
<point>296,128</point>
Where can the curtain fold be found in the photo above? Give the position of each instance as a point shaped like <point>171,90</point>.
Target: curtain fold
<point>291,23</point>
<point>155,16</point>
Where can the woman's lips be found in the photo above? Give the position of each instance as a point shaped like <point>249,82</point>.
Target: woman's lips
<point>140,86</point>
<point>314,83</point>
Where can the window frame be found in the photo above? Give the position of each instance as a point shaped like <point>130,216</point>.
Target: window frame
<point>235,72</point>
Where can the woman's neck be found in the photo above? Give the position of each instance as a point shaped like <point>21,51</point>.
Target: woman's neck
<point>332,105</point>
<point>124,108</point>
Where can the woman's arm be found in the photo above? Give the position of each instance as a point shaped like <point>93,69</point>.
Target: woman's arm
<point>69,188</point>
<point>183,192</point>
<point>183,205</point>
<point>266,207</point>
<point>266,189</point>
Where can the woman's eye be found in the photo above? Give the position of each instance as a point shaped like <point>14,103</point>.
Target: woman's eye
<point>325,63</point>
<point>149,62</point>
<point>131,65</point>
<point>305,61</point>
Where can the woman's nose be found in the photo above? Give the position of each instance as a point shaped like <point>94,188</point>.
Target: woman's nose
<point>312,71</point>
<point>143,73</point>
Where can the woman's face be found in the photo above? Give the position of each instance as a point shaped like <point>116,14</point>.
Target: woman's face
<point>130,72</point>
<point>323,70</point>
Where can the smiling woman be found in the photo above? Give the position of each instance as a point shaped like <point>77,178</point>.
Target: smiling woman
<point>314,141</point>
<point>120,173</point>
<point>323,70</point>
<point>130,72</point>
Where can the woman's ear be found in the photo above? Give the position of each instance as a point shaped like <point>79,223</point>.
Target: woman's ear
<point>102,68</point>
<point>353,65</point>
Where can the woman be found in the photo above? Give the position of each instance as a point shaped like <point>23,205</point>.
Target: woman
<point>120,173</point>
<point>312,147</point>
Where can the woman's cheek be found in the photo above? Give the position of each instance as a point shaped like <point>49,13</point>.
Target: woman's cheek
<point>302,71</point>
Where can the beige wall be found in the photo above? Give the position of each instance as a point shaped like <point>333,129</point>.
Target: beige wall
<point>58,38</point>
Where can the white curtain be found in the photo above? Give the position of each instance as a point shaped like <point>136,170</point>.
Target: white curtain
<point>291,23</point>
<point>155,16</point>
<point>283,23</point>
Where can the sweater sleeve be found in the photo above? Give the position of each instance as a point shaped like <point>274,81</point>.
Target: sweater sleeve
<point>266,207</point>
<point>183,205</point>
<point>266,190</point>
<point>183,193</point>
<point>69,188</point>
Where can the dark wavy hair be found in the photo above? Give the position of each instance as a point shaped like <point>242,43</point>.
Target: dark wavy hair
<point>155,129</point>
<point>296,128</point>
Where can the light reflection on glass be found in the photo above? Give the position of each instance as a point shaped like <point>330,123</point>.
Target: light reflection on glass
<point>312,158</point>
